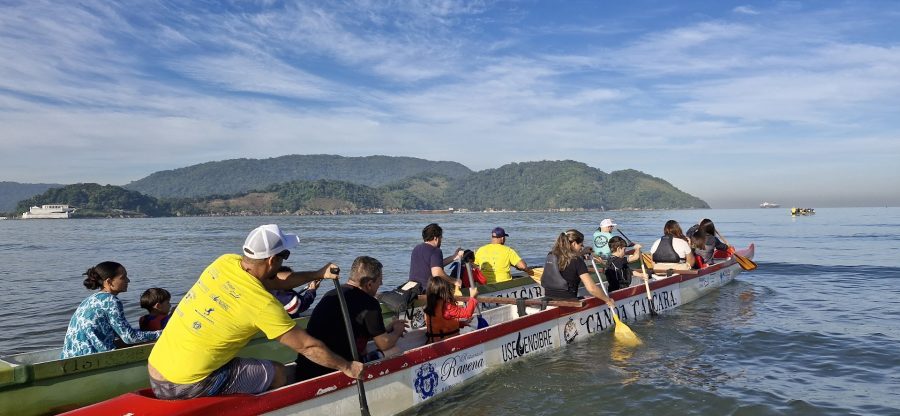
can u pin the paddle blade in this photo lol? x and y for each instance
(537, 274)
(482, 323)
(648, 260)
(744, 262)
(624, 335)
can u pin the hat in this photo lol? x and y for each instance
(267, 240)
(607, 222)
(499, 232)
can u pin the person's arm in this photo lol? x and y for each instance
(389, 339)
(290, 280)
(596, 291)
(720, 245)
(113, 308)
(453, 257)
(307, 298)
(316, 351)
(635, 255)
(453, 311)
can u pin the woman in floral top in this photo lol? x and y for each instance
(100, 317)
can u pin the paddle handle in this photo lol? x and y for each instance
(363, 403)
(472, 285)
(647, 283)
(603, 288)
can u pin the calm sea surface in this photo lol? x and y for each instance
(815, 330)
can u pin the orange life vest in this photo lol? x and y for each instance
(439, 328)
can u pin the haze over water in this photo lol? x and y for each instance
(812, 331)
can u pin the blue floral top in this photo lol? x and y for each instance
(95, 324)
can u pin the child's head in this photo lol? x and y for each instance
(468, 256)
(438, 289)
(698, 239)
(615, 244)
(156, 300)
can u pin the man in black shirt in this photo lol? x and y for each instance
(327, 322)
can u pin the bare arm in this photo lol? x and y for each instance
(636, 254)
(300, 341)
(596, 291)
(453, 257)
(388, 340)
(288, 280)
(691, 260)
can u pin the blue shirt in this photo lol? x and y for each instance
(421, 260)
(95, 324)
(601, 243)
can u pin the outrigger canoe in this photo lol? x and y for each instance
(39, 383)
(425, 371)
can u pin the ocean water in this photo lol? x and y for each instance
(814, 330)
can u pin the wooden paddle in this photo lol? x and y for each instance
(742, 261)
(647, 285)
(622, 333)
(482, 323)
(363, 403)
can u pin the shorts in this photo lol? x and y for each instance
(240, 375)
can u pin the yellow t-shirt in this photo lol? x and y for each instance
(214, 320)
(494, 260)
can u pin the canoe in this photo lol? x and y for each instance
(422, 372)
(38, 383)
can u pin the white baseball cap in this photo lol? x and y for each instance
(607, 223)
(267, 240)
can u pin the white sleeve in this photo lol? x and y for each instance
(655, 245)
(681, 247)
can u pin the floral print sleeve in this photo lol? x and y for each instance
(95, 324)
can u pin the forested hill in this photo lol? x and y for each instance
(566, 184)
(94, 200)
(234, 176)
(13, 192)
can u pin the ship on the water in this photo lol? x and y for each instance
(769, 205)
(53, 211)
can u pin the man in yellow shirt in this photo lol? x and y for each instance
(496, 258)
(229, 303)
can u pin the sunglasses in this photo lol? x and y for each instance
(284, 255)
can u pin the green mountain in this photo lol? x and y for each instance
(233, 176)
(13, 192)
(93, 200)
(567, 184)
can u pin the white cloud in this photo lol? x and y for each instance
(745, 10)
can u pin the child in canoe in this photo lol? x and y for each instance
(157, 302)
(443, 317)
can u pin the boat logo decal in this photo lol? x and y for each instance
(426, 381)
(441, 374)
(537, 341)
(570, 331)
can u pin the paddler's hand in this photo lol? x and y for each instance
(330, 271)
(399, 325)
(354, 370)
(458, 254)
(473, 292)
(637, 247)
(611, 303)
(313, 285)
(529, 271)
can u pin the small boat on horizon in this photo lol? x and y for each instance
(769, 205)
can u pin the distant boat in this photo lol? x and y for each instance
(49, 211)
(769, 205)
(802, 211)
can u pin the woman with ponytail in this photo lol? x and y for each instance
(100, 317)
(565, 271)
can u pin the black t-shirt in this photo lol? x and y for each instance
(618, 273)
(572, 275)
(327, 325)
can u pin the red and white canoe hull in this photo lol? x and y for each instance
(418, 375)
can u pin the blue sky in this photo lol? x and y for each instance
(735, 102)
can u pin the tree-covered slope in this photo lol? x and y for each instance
(567, 184)
(91, 199)
(13, 192)
(234, 176)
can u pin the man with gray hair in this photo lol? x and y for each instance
(229, 303)
(327, 323)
